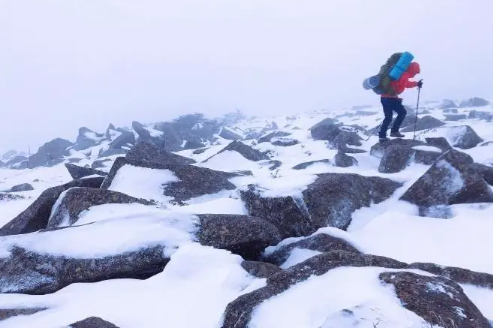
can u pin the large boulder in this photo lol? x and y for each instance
(193, 181)
(79, 172)
(463, 137)
(378, 150)
(29, 272)
(74, 201)
(424, 123)
(22, 187)
(245, 151)
(320, 242)
(482, 115)
(327, 129)
(485, 171)
(345, 138)
(438, 142)
(122, 142)
(229, 134)
(395, 159)
(36, 216)
(8, 155)
(343, 160)
(239, 312)
(87, 138)
(92, 322)
(448, 104)
(437, 300)
(474, 102)
(146, 154)
(287, 213)
(449, 181)
(197, 181)
(243, 235)
(332, 198)
(49, 154)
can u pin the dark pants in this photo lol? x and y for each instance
(391, 105)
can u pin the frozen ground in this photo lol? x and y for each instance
(199, 282)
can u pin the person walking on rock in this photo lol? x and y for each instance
(392, 103)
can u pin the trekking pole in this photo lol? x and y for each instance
(376, 130)
(416, 120)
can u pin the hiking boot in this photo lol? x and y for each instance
(397, 135)
(383, 139)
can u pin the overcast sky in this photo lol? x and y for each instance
(71, 63)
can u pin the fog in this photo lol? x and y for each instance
(71, 63)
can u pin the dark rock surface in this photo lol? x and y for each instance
(79, 172)
(260, 269)
(303, 166)
(49, 154)
(275, 134)
(246, 151)
(28, 272)
(343, 160)
(7, 313)
(464, 137)
(92, 322)
(436, 299)
(243, 235)
(424, 123)
(22, 187)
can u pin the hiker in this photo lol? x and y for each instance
(392, 103)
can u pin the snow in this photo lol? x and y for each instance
(428, 148)
(482, 298)
(193, 291)
(411, 238)
(229, 161)
(133, 228)
(143, 182)
(200, 281)
(324, 297)
(299, 255)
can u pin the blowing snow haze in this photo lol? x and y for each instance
(66, 64)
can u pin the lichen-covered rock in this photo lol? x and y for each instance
(485, 171)
(439, 142)
(36, 216)
(243, 235)
(437, 300)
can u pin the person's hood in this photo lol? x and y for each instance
(414, 69)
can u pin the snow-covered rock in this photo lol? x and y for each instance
(343, 160)
(485, 171)
(474, 102)
(420, 294)
(240, 234)
(449, 181)
(146, 154)
(424, 123)
(303, 166)
(36, 216)
(87, 138)
(76, 200)
(21, 187)
(275, 134)
(463, 137)
(244, 150)
(328, 129)
(483, 115)
(79, 172)
(50, 154)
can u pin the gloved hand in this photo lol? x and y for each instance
(420, 84)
